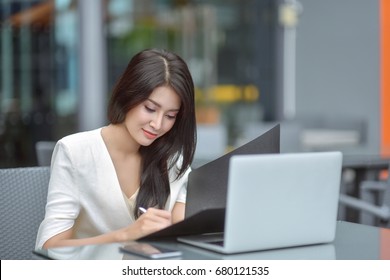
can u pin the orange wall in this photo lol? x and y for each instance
(385, 244)
(385, 76)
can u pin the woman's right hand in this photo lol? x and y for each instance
(151, 221)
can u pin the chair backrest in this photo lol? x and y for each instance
(44, 150)
(23, 195)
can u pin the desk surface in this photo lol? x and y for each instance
(352, 242)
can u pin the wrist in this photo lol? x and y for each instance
(125, 234)
(120, 236)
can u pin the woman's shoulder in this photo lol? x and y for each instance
(81, 139)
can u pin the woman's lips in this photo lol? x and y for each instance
(149, 134)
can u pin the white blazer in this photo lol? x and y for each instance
(84, 190)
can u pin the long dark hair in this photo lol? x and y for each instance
(146, 71)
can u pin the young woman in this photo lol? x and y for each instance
(103, 180)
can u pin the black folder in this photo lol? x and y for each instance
(207, 190)
(207, 185)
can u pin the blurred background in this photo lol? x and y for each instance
(314, 67)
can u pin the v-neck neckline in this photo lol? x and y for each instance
(112, 166)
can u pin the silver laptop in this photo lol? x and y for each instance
(277, 201)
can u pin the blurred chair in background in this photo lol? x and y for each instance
(44, 150)
(23, 194)
(373, 203)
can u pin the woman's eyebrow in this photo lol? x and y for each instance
(159, 105)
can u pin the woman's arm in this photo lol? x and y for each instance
(149, 222)
(178, 212)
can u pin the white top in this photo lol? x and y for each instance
(84, 191)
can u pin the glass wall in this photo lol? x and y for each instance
(229, 46)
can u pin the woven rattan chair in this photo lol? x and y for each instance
(23, 194)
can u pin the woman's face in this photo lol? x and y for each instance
(154, 117)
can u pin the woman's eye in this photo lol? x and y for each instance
(171, 117)
(149, 109)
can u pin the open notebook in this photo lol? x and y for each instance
(277, 201)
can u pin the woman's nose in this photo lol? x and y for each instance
(156, 123)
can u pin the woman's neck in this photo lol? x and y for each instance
(118, 138)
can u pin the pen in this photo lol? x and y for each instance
(143, 210)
